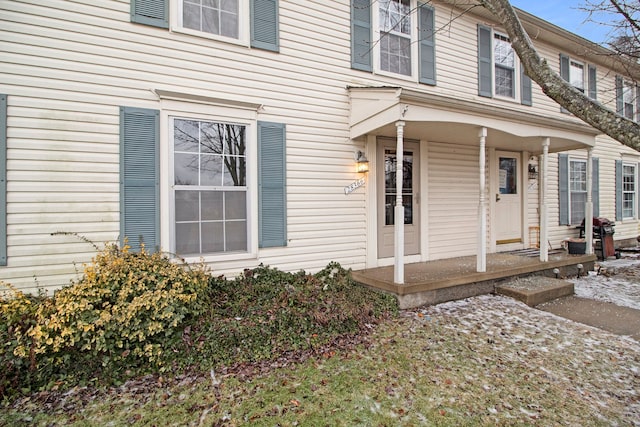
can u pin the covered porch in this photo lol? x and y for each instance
(450, 185)
(433, 282)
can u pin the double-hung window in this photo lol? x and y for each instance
(576, 75)
(500, 74)
(628, 190)
(580, 75)
(505, 66)
(577, 190)
(627, 99)
(210, 186)
(218, 17)
(395, 36)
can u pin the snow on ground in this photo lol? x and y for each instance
(615, 280)
(592, 365)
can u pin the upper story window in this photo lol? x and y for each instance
(219, 17)
(395, 36)
(580, 75)
(627, 101)
(505, 66)
(576, 75)
(499, 71)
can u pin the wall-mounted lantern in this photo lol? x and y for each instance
(362, 164)
(533, 172)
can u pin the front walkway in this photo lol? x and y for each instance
(433, 282)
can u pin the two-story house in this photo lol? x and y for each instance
(228, 131)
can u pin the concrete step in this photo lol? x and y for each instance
(534, 290)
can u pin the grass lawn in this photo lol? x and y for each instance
(484, 361)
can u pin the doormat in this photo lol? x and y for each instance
(533, 253)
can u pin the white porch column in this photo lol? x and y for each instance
(544, 220)
(588, 209)
(398, 271)
(481, 255)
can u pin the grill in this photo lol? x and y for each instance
(603, 231)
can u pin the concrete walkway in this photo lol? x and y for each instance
(604, 315)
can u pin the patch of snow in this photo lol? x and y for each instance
(621, 289)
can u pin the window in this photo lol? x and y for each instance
(395, 36)
(505, 66)
(499, 71)
(628, 100)
(577, 190)
(210, 187)
(219, 17)
(576, 75)
(581, 76)
(572, 188)
(628, 190)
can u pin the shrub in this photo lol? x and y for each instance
(124, 313)
(266, 312)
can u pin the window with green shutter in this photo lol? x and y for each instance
(139, 178)
(400, 49)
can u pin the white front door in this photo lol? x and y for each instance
(386, 184)
(508, 198)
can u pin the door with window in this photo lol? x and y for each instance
(386, 184)
(508, 198)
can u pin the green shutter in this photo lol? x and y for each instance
(619, 100)
(150, 12)
(592, 77)
(485, 67)
(265, 25)
(564, 73)
(563, 186)
(526, 96)
(595, 186)
(139, 177)
(272, 189)
(3, 179)
(618, 190)
(361, 35)
(427, 44)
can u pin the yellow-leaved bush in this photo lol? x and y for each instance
(125, 311)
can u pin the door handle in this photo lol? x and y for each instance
(497, 197)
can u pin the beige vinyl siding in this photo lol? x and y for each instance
(453, 200)
(68, 66)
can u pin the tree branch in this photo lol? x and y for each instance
(591, 112)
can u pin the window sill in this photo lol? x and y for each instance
(229, 256)
(203, 35)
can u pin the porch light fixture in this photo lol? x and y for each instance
(533, 172)
(362, 164)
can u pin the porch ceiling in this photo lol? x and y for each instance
(375, 111)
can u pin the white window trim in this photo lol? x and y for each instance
(635, 191)
(516, 78)
(244, 30)
(375, 53)
(577, 160)
(171, 109)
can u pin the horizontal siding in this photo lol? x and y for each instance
(69, 65)
(453, 200)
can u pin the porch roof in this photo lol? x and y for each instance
(375, 110)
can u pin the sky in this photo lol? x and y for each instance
(565, 14)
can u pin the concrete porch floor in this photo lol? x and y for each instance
(434, 282)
